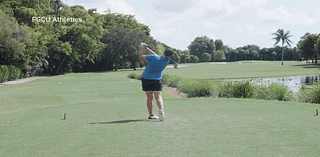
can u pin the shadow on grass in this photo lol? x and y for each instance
(131, 69)
(308, 65)
(123, 121)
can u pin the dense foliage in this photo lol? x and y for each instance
(9, 72)
(49, 37)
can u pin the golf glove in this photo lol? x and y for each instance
(141, 45)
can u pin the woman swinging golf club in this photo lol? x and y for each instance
(151, 78)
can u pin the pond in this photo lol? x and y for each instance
(293, 82)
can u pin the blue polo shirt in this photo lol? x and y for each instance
(155, 66)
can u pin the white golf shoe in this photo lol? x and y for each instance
(153, 117)
(161, 115)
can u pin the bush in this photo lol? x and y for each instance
(200, 88)
(226, 90)
(196, 88)
(4, 73)
(305, 95)
(132, 75)
(243, 89)
(171, 81)
(9, 72)
(315, 90)
(273, 92)
(135, 76)
(191, 87)
(239, 89)
(14, 72)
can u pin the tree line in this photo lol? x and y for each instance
(81, 40)
(308, 48)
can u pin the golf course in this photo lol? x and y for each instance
(105, 114)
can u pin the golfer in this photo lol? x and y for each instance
(151, 78)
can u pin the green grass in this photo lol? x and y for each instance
(106, 116)
(248, 69)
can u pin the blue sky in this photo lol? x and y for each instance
(236, 22)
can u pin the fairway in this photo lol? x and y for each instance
(106, 115)
(244, 69)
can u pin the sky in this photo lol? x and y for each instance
(236, 22)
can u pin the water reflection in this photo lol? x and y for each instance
(293, 82)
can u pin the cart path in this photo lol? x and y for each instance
(19, 81)
(175, 92)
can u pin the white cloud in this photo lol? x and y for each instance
(251, 3)
(301, 19)
(174, 6)
(116, 6)
(281, 15)
(277, 15)
(211, 8)
(211, 25)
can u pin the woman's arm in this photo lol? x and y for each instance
(141, 56)
(145, 46)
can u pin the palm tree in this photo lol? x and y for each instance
(284, 37)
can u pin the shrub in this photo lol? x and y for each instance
(315, 90)
(305, 95)
(135, 76)
(226, 90)
(273, 92)
(132, 75)
(139, 77)
(12, 72)
(9, 72)
(239, 89)
(243, 89)
(196, 88)
(172, 81)
(200, 88)
(4, 73)
(280, 92)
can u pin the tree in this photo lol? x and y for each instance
(185, 52)
(15, 42)
(175, 57)
(194, 59)
(263, 53)
(274, 53)
(308, 48)
(160, 47)
(236, 52)
(219, 56)
(185, 58)
(121, 45)
(227, 52)
(202, 45)
(253, 50)
(219, 44)
(206, 57)
(280, 35)
(317, 46)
